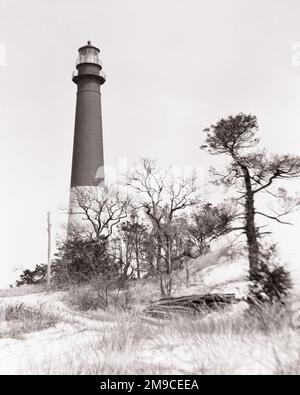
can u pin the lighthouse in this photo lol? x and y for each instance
(88, 158)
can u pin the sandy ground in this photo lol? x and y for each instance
(75, 328)
(75, 342)
(108, 343)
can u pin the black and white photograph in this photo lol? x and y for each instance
(150, 199)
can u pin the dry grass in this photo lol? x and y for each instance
(88, 298)
(19, 319)
(22, 291)
(232, 342)
(145, 291)
(82, 298)
(118, 341)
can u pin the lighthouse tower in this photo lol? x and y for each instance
(88, 159)
(88, 141)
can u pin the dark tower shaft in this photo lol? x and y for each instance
(88, 159)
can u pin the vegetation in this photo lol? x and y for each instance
(271, 282)
(33, 277)
(20, 319)
(163, 220)
(252, 173)
(260, 341)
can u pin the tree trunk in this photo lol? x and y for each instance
(169, 254)
(187, 271)
(138, 271)
(251, 232)
(161, 283)
(159, 257)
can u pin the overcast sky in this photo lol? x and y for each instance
(173, 67)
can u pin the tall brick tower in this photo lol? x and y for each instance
(88, 141)
(88, 159)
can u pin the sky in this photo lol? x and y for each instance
(173, 68)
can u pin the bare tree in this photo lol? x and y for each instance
(251, 173)
(163, 198)
(88, 255)
(97, 211)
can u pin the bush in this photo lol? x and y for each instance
(81, 261)
(83, 298)
(21, 319)
(32, 277)
(99, 294)
(271, 282)
(85, 259)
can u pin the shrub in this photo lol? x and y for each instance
(271, 282)
(21, 319)
(32, 277)
(83, 298)
(100, 293)
(85, 259)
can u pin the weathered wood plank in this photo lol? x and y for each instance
(192, 304)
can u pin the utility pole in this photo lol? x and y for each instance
(49, 250)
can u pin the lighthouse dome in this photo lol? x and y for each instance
(89, 54)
